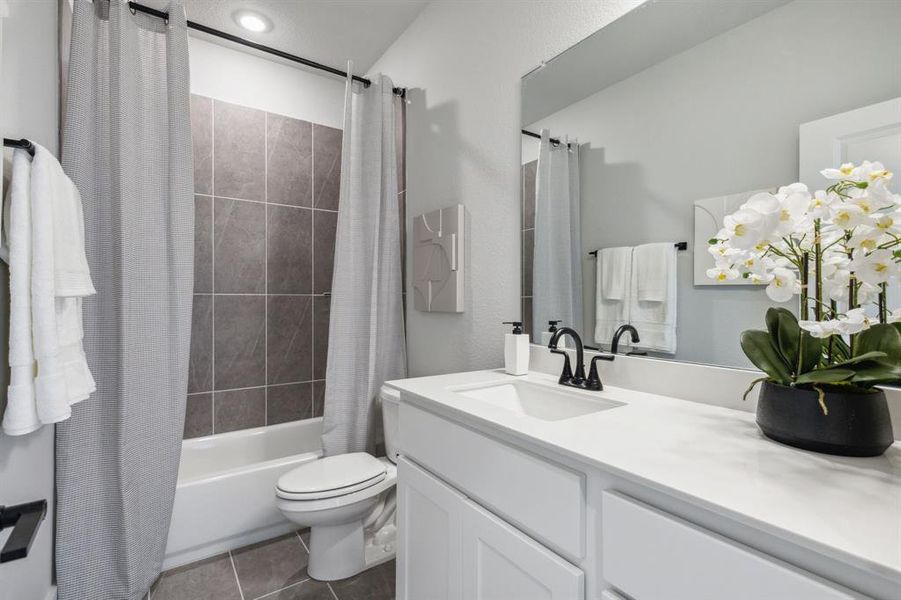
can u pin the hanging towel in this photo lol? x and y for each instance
(654, 267)
(614, 271)
(21, 415)
(59, 279)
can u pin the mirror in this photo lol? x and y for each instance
(666, 121)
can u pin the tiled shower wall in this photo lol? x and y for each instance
(266, 200)
(528, 239)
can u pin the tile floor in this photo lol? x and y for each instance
(271, 570)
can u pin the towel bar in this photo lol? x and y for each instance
(25, 520)
(679, 246)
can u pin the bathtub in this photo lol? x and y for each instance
(225, 496)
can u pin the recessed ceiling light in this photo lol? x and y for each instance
(252, 21)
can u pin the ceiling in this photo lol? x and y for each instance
(329, 32)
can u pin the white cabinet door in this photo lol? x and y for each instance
(430, 516)
(502, 563)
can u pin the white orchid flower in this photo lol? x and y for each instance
(867, 294)
(865, 238)
(783, 286)
(871, 203)
(821, 205)
(848, 216)
(820, 329)
(874, 173)
(889, 222)
(846, 171)
(874, 268)
(792, 211)
(723, 273)
(855, 321)
(759, 278)
(744, 228)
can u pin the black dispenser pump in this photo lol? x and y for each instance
(553, 325)
(517, 326)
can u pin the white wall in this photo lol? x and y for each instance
(28, 108)
(463, 61)
(226, 73)
(709, 122)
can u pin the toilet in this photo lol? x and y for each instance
(348, 502)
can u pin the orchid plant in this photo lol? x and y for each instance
(839, 249)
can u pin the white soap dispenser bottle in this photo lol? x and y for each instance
(516, 350)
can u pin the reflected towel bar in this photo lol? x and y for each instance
(679, 246)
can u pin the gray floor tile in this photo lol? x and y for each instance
(306, 590)
(270, 566)
(377, 583)
(211, 579)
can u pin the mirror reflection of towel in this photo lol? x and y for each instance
(652, 306)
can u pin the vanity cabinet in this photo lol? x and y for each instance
(450, 548)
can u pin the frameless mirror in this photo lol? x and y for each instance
(669, 119)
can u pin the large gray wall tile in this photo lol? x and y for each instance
(324, 226)
(318, 398)
(528, 194)
(271, 565)
(239, 230)
(526, 317)
(198, 415)
(290, 333)
(326, 166)
(321, 309)
(203, 244)
(289, 170)
(202, 135)
(289, 402)
(239, 409)
(528, 250)
(240, 346)
(200, 369)
(239, 151)
(290, 250)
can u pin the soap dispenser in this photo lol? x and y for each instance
(516, 350)
(547, 335)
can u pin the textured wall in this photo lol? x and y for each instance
(463, 62)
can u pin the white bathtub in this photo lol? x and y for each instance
(225, 497)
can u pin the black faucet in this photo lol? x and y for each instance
(633, 335)
(567, 377)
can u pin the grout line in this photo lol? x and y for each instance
(334, 595)
(258, 294)
(295, 584)
(312, 335)
(266, 266)
(251, 201)
(302, 543)
(213, 260)
(231, 558)
(256, 387)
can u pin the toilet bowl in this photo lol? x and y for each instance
(348, 503)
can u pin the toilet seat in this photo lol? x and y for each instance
(331, 477)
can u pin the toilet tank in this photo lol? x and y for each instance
(390, 399)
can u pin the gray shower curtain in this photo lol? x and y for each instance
(366, 328)
(127, 146)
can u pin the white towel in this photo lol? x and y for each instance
(614, 265)
(59, 279)
(655, 320)
(21, 415)
(614, 271)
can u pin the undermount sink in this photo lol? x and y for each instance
(537, 401)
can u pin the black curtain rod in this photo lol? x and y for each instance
(23, 144)
(678, 245)
(553, 141)
(135, 7)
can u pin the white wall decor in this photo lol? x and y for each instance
(709, 214)
(438, 260)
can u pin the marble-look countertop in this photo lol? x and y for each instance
(847, 508)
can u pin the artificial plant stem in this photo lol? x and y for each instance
(805, 277)
(883, 303)
(833, 306)
(818, 265)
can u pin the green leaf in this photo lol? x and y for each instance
(811, 352)
(840, 348)
(861, 358)
(831, 375)
(874, 372)
(758, 347)
(786, 335)
(880, 338)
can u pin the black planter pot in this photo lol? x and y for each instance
(858, 424)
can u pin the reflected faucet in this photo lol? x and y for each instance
(633, 335)
(567, 377)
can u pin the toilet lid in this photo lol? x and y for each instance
(331, 476)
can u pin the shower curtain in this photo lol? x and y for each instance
(127, 146)
(366, 332)
(557, 262)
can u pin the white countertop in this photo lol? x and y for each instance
(846, 508)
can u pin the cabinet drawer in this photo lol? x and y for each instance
(539, 497)
(650, 555)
